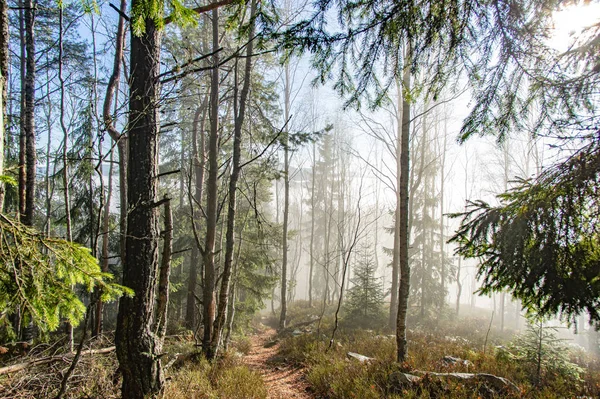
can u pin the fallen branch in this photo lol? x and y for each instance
(50, 359)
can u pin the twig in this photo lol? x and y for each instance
(488, 332)
(65, 380)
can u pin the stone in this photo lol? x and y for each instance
(400, 380)
(359, 357)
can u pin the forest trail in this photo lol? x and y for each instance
(282, 380)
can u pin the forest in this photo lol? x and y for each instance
(299, 199)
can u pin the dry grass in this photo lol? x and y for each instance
(191, 377)
(333, 376)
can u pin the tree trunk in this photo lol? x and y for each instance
(119, 138)
(199, 158)
(286, 198)
(396, 250)
(312, 228)
(236, 168)
(442, 230)
(404, 288)
(138, 346)
(212, 195)
(97, 329)
(22, 117)
(29, 124)
(4, 55)
(65, 148)
(165, 270)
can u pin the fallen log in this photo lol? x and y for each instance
(50, 359)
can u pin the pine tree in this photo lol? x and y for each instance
(364, 305)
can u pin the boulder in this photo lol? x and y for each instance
(359, 357)
(399, 380)
(452, 361)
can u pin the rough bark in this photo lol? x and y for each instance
(4, 55)
(22, 136)
(29, 124)
(208, 296)
(199, 159)
(404, 287)
(137, 345)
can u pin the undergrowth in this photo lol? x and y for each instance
(333, 375)
(189, 376)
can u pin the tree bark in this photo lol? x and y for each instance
(199, 159)
(396, 249)
(165, 270)
(22, 117)
(65, 148)
(404, 288)
(208, 296)
(137, 345)
(30, 151)
(116, 136)
(286, 199)
(233, 180)
(97, 329)
(4, 55)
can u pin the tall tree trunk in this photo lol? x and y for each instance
(286, 197)
(138, 347)
(165, 270)
(119, 138)
(312, 227)
(396, 249)
(199, 159)
(65, 148)
(4, 55)
(236, 168)
(426, 195)
(404, 288)
(48, 182)
(22, 113)
(442, 222)
(30, 149)
(97, 329)
(212, 195)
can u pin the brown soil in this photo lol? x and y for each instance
(283, 381)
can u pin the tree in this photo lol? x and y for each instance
(138, 345)
(540, 242)
(364, 306)
(512, 70)
(38, 275)
(236, 168)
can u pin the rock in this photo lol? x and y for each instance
(497, 383)
(486, 382)
(451, 360)
(271, 344)
(400, 380)
(359, 357)
(297, 332)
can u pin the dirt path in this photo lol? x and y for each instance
(282, 381)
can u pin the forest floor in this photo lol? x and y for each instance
(282, 380)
